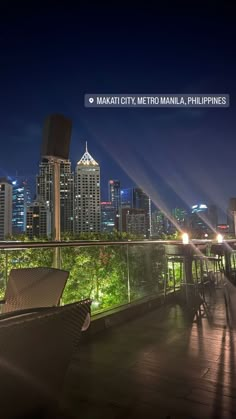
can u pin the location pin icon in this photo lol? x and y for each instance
(91, 100)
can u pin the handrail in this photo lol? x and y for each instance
(81, 243)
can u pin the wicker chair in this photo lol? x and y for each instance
(36, 346)
(33, 287)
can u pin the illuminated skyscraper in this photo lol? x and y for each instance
(203, 220)
(108, 216)
(5, 208)
(21, 197)
(87, 195)
(115, 199)
(38, 220)
(114, 193)
(45, 190)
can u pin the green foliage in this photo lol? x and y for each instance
(96, 272)
(110, 275)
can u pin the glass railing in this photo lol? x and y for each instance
(112, 274)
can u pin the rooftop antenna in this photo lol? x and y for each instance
(86, 146)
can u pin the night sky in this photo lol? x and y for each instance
(51, 57)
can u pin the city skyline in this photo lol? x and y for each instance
(178, 157)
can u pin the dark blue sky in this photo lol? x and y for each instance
(51, 57)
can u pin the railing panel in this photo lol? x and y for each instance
(147, 270)
(99, 273)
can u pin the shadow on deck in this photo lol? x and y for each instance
(166, 364)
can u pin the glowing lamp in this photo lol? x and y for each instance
(185, 238)
(219, 238)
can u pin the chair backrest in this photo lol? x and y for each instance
(34, 287)
(35, 352)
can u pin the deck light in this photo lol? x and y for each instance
(185, 238)
(219, 238)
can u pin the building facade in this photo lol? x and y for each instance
(45, 190)
(134, 221)
(5, 208)
(114, 197)
(38, 220)
(87, 201)
(136, 199)
(21, 197)
(203, 220)
(108, 216)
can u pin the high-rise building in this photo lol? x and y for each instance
(21, 197)
(87, 212)
(134, 221)
(160, 224)
(203, 220)
(5, 208)
(126, 195)
(45, 190)
(135, 198)
(181, 216)
(38, 220)
(108, 215)
(114, 193)
(115, 199)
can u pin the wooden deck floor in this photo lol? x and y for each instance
(166, 364)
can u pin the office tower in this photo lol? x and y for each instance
(203, 220)
(231, 216)
(108, 216)
(5, 208)
(142, 201)
(38, 220)
(21, 197)
(87, 195)
(45, 190)
(160, 224)
(115, 199)
(181, 216)
(135, 198)
(55, 180)
(126, 196)
(134, 221)
(114, 193)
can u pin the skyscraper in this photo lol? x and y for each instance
(38, 220)
(108, 216)
(134, 221)
(203, 220)
(45, 190)
(87, 200)
(114, 193)
(55, 180)
(5, 208)
(135, 198)
(20, 199)
(115, 199)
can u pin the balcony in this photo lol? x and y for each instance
(161, 341)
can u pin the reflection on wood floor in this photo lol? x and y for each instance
(170, 363)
